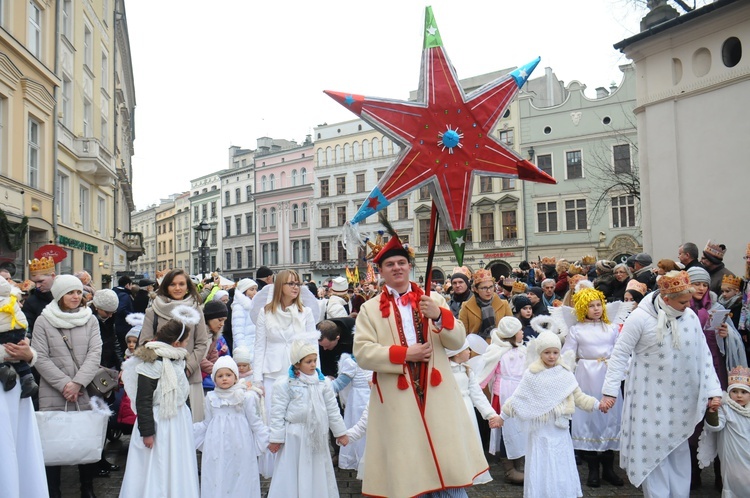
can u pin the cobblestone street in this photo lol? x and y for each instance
(350, 487)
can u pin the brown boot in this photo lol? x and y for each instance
(512, 476)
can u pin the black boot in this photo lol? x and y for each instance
(53, 481)
(718, 483)
(105, 465)
(608, 469)
(29, 387)
(7, 377)
(592, 459)
(87, 489)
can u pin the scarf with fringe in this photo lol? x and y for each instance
(316, 422)
(542, 393)
(66, 319)
(234, 396)
(168, 380)
(163, 305)
(667, 319)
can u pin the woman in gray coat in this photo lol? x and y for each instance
(62, 383)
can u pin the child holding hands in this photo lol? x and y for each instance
(231, 437)
(161, 456)
(303, 409)
(545, 401)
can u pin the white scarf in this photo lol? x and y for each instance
(667, 318)
(316, 422)
(234, 396)
(742, 410)
(542, 393)
(168, 380)
(66, 319)
(163, 305)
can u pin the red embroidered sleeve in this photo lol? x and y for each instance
(397, 354)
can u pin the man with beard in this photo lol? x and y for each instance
(460, 281)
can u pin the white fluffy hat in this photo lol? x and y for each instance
(450, 353)
(242, 354)
(299, 350)
(136, 323)
(508, 327)
(340, 284)
(225, 362)
(106, 300)
(64, 284)
(245, 284)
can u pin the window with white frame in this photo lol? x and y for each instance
(273, 218)
(305, 255)
(67, 19)
(250, 260)
(264, 218)
(238, 254)
(101, 214)
(249, 222)
(546, 214)
(35, 30)
(573, 164)
(295, 214)
(623, 211)
(34, 146)
(272, 181)
(238, 225)
(621, 156)
(303, 176)
(67, 101)
(105, 70)
(294, 178)
(84, 207)
(295, 252)
(304, 212)
(248, 193)
(228, 260)
(88, 46)
(62, 197)
(263, 183)
(274, 246)
(88, 118)
(506, 136)
(227, 227)
(575, 214)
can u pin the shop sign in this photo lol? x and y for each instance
(77, 244)
(57, 253)
(499, 255)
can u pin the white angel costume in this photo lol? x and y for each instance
(544, 401)
(356, 433)
(356, 403)
(303, 409)
(231, 437)
(170, 467)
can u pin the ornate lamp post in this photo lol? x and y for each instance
(203, 230)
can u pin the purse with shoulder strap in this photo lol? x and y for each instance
(105, 380)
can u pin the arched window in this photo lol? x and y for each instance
(365, 149)
(271, 181)
(356, 155)
(263, 185)
(295, 214)
(321, 157)
(303, 176)
(264, 218)
(294, 178)
(376, 148)
(386, 146)
(329, 155)
(396, 148)
(295, 252)
(339, 158)
(273, 217)
(304, 212)
(347, 152)
(282, 179)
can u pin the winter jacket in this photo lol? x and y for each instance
(33, 306)
(243, 328)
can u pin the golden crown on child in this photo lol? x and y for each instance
(740, 375)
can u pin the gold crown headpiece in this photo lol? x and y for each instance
(483, 275)
(588, 260)
(552, 261)
(731, 281)
(574, 269)
(673, 285)
(739, 375)
(43, 266)
(519, 287)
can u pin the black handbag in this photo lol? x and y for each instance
(104, 382)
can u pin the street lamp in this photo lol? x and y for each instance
(203, 230)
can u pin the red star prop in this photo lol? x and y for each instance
(445, 135)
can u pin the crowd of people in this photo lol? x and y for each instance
(557, 363)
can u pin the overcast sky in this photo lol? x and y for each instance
(213, 74)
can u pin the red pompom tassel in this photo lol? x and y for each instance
(403, 384)
(435, 377)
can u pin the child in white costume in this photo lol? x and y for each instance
(545, 400)
(357, 398)
(161, 455)
(472, 395)
(727, 433)
(231, 437)
(356, 433)
(592, 340)
(302, 411)
(505, 362)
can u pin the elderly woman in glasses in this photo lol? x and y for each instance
(622, 275)
(281, 322)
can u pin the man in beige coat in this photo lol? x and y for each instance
(420, 439)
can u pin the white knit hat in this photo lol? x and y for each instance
(547, 340)
(106, 300)
(225, 362)
(242, 354)
(508, 327)
(64, 284)
(340, 284)
(7, 318)
(245, 284)
(299, 350)
(450, 353)
(220, 294)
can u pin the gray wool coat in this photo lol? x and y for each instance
(55, 365)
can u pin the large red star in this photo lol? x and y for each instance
(445, 135)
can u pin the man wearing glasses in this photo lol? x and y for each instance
(484, 311)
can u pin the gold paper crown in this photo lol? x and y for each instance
(43, 266)
(508, 282)
(637, 286)
(575, 270)
(588, 260)
(673, 285)
(551, 261)
(519, 287)
(482, 276)
(731, 281)
(574, 279)
(462, 269)
(739, 375)
(714, 250)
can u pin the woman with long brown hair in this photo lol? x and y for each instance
(177, 289)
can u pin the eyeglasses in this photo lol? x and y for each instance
(620, 272)
(292, 284)
(486, 288)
